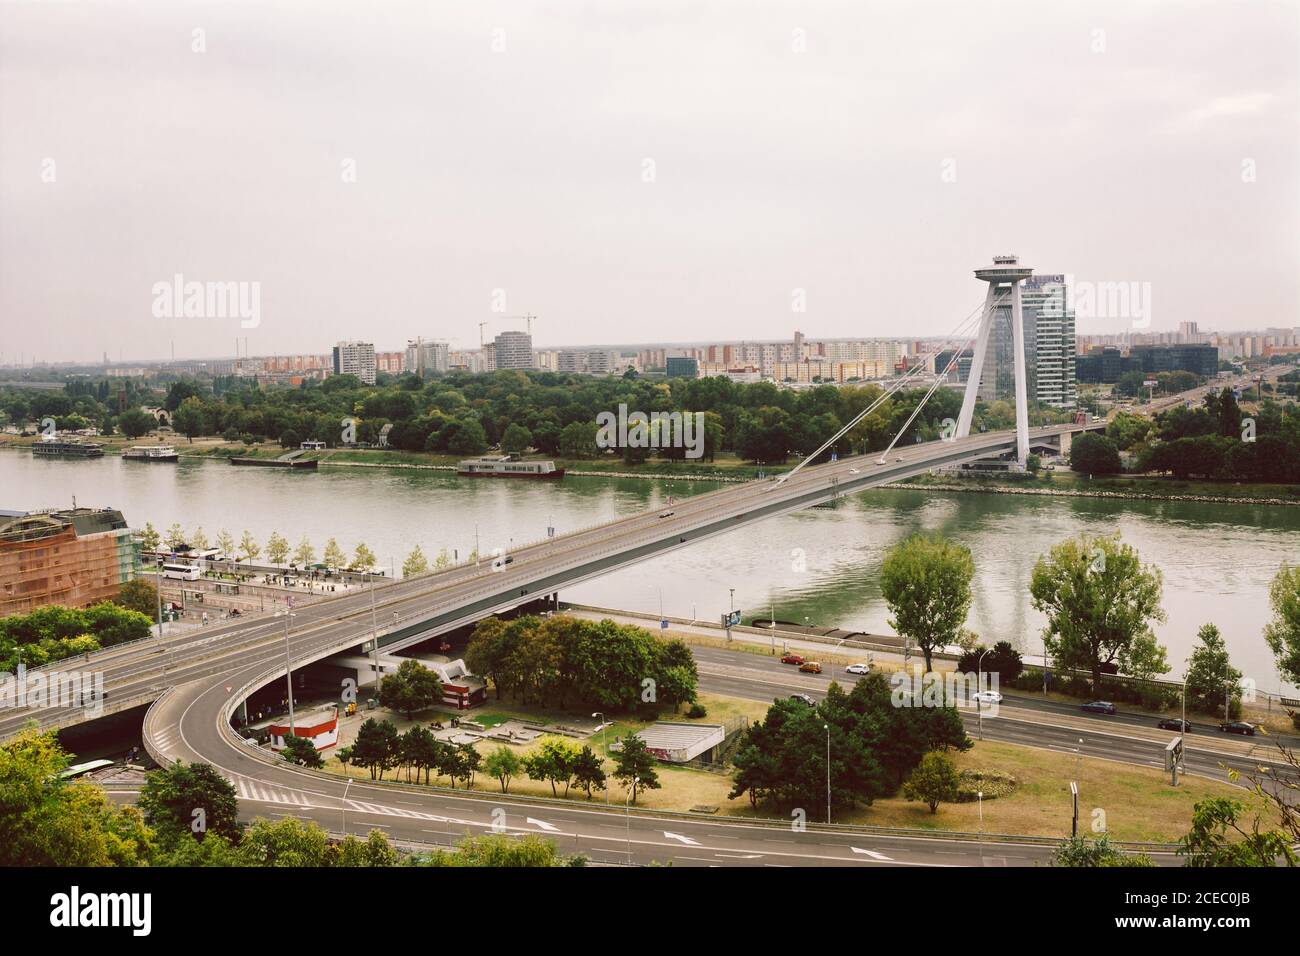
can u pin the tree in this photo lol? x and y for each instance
(499, 851)
(363, 558)
(415, 563)
(304, 554)
(1145, 659)
(190, 419)
(588, 772)
(1079, 851)
(1002, 659)
(376, 747)
(226, 542)
(553, 761)
(1092, 454)
(277, 548)
(199, 539)
(149, 537)
(190, 799)
(933, 781)
(1217, 838)
(1098, 597)
(411, 689)
(249, 546)
(634, 766)
(175, 536)
(1211, 678)
(301, 751)
(334, 557)
(1282, 633)
(516, 439)
(469, 439)
(48, 821)
(578, 440)
(504, 764)
(139, 595)
(926, 583)
(135, 422)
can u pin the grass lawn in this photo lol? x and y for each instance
(1138, 803)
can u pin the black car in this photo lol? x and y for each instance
(1238, 727)
(1098, 707)
(1173, 723)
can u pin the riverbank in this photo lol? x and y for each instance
(1139, 488)
(727, 469)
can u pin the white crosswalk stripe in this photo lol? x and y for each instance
(258, 792)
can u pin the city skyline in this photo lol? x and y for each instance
(585, 169)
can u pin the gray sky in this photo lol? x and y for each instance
(1115, 156)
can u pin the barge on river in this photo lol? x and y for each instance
(507, 466)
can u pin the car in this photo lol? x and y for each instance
(792, 659)
(858, 669)
(1238, 727)
(987, 697)
(810, 667)
(804, 699)
(1098, 707)
(1173, 723)
(666, 514)
(853, 471)
(899, 458)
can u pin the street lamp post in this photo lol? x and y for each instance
(288, 672)
(158, 577)
(980, 794)
(979, 687)
(627, 816)
(771, 625)
(827, 728)
(345, 807)
(604, 733)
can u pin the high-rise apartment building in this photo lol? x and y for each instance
(425, 356)
(1049, 346)
(1049, 326)
(513, 350)
(355, 358)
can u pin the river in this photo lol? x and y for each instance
(820, 565)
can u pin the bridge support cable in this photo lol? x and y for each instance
(925, 398)
(905, 379)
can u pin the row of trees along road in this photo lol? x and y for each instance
(1100, 601)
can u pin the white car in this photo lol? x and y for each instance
(858, 669)
(987, 697)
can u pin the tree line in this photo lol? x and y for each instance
(461, 413)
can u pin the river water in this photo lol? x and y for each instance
(820, 565)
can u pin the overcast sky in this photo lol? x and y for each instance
(634, 171)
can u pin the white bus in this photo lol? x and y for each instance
(183, 572)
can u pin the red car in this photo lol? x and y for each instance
(792, 659)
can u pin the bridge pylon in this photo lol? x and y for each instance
(1004, 278)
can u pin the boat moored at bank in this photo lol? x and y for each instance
(508, 466)
(165, 453)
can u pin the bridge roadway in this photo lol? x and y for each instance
(415, 609)
(203, 677)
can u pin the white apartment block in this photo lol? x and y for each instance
(355, 358)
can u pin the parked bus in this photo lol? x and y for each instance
(76, 770)
(183, 572)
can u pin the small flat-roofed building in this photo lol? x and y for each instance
(679, 742)
(320, 726)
